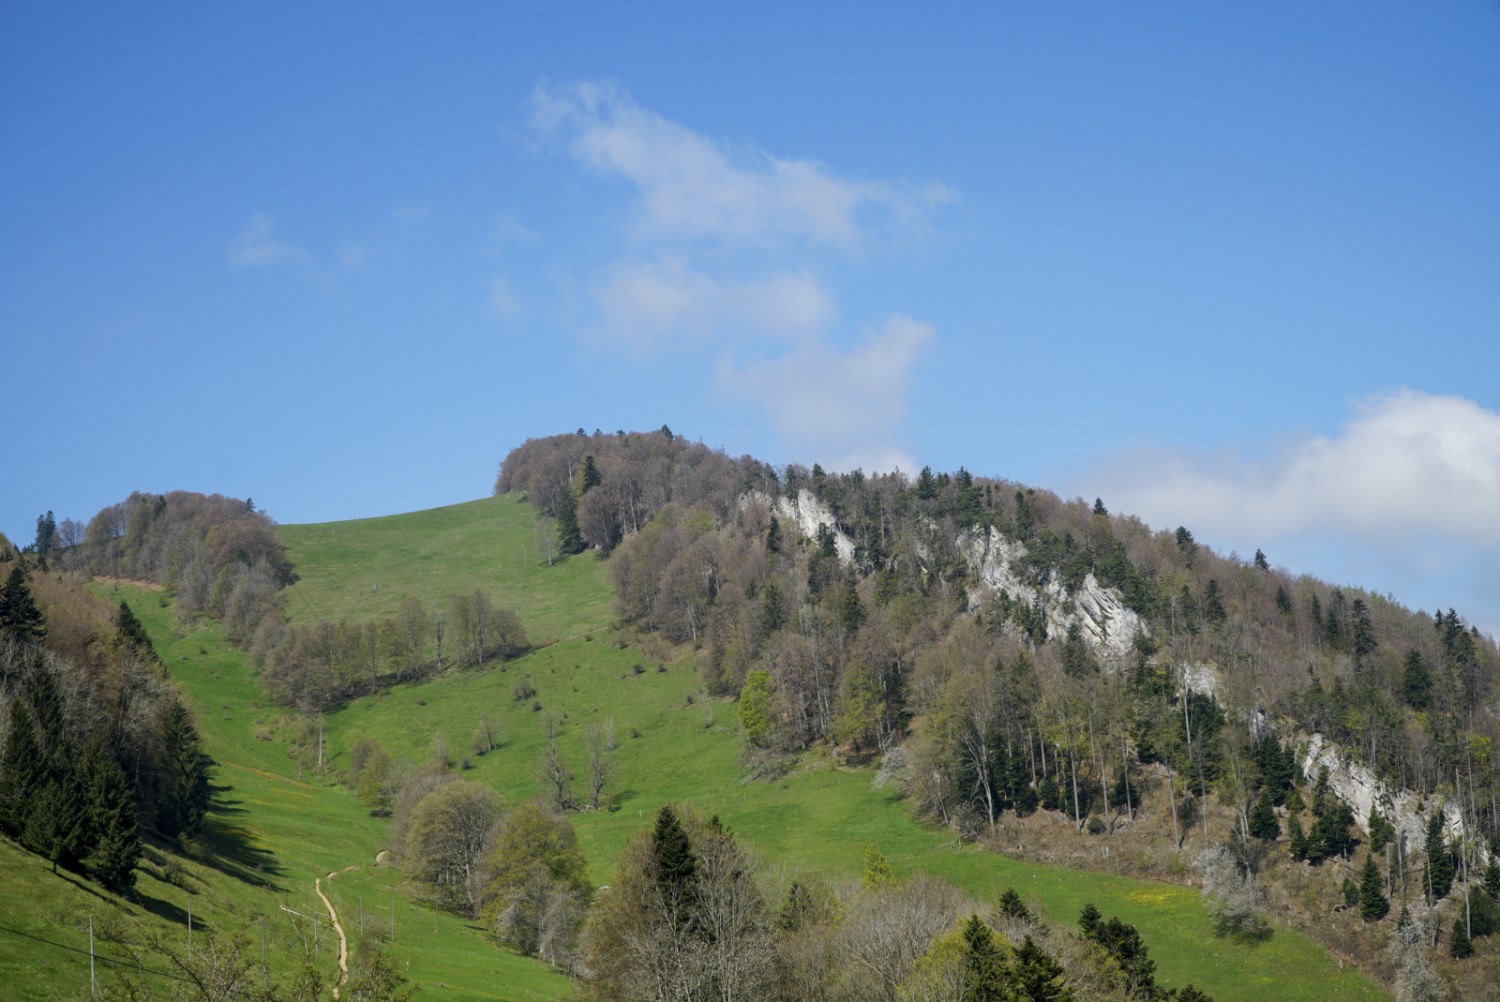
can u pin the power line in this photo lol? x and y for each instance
(131, 964)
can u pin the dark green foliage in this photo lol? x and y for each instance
(1296, 836)
(773, 536)
(1036, 977)
(1284, 601)
(983, 964)
(1492, 878)
(20, 619)
(1190, 994)
(23, 770)
(46, 537)
(1213, 603)
(772, 609)
(1460, 946)
(591, 477)
(185, 793)
(1439, 859)
(1380, 828)
(1261, 564)
(1416, 681)
(676, 866)
(1263, 823)
(1011, 906)
(114, 842)
(1350, 893)
(1484, 915)
(1277, 766)
(1099, 508)
(1364, 633)
(1186, 545)
(569, 536)
(1123, 942)
(926, 486)
(1373, 904)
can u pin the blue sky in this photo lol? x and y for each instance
(1234, 268)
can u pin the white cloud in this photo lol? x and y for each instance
(692, 187)
(645, 303)
(503, 301)
(1406, 464)
(256, 245)
(838, 408)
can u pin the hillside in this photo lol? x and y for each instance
(951, 673)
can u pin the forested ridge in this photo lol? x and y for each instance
(875, 629)
(1032, 674)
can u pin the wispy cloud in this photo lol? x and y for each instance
(726, 246)
(503, 301)
(841, 408)
(692, 187)
(257, 246)
(646, 302)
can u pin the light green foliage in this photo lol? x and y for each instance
(755, 708)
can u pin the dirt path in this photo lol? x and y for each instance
(337, 927)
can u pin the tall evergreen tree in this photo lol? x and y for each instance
(1263, 823)
(1416, 681)
(569, 536)
(23, 770)
(20, 619)
(984, 966)
(1460, 946)
(676, 866)
(184, 795)
(1439, 859)
(1036, 976)
(114, 840)
(1373, 904)
(591, 476)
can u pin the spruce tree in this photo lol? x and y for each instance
(1416, 681)
(23, 770)
(676, 867)
(1036, 976)
(1263, 823)
(984, 967)
(1439, 859)
(184, 794)
(1492, 878)
(114, 840)
(1460, 946)
(20, 619)
(1373, 904)
(569, 536)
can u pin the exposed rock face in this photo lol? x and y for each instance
(1100, 613)
(994, 561)
(1358, 787)
(807, 513)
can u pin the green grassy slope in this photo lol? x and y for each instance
(362, 569)
(818, 818)
(274, 831)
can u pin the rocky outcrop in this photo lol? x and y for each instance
(994, 564)
(1099, 613)
(807, 513)
(1359, 787)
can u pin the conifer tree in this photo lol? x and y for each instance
(20, 619)
(984, 967)
(114, 841)
(1373, 904)
(1460, 946)
(185, 794)
(877, 869)
(1439, 860)
(569, 536)
(1263, 823)
(676, 866)
(1036, 976)
(23, 770)
(773, 536)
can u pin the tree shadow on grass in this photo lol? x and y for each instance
(231, 848)
(166, 910)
